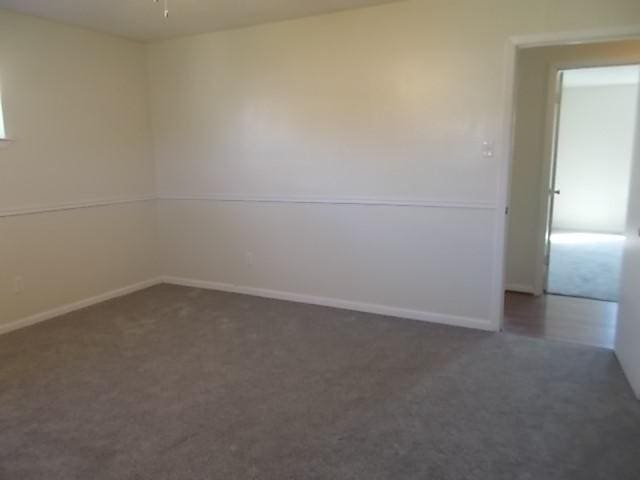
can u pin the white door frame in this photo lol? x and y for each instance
(506, 137)
(549, 167)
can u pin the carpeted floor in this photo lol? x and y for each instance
(180, 383)
(586, 265)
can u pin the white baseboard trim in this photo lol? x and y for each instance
(64, 309)
(520, 288)
(458, 321)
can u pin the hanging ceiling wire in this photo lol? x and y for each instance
(166, 7)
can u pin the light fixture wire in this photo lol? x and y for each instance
(166, 7)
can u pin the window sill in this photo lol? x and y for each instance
(4, 142)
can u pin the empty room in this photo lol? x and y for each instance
(320, 239)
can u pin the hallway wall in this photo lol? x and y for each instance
(595, 148)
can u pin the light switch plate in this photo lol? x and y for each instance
(487, 149)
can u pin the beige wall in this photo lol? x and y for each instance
(389, 104)
(530, 161)
(595, 149)
(350, 255)
(334, 157)
(75, 102)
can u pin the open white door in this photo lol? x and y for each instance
(628, 332)
(551, 189)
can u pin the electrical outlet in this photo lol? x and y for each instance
(18, 285)
(248, 259)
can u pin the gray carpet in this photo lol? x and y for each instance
(586, 265)
(181, 383)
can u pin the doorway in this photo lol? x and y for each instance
(589, 185)
(575, 117)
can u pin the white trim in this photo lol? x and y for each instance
(546, 170)
(505, 153)
(459, 321)
(37, 209)
(629, 32)
(366, 201)
(520, 288)
(71, 307)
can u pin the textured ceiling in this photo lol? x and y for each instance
(143, 19)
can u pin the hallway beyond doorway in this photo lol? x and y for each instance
(585, 265)
(577, 320)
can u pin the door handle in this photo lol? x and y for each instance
(557, 192)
